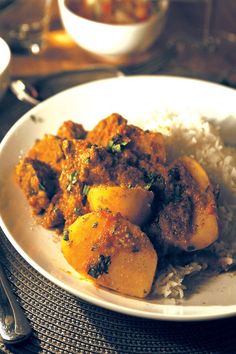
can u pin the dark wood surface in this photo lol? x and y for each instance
(185, 18)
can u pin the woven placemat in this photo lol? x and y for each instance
(62, 323)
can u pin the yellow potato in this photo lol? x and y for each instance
(189, 220)
(132, 203)
(112, 252)
(205, 221)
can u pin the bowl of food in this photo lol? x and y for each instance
(5, 58)
(114, 28)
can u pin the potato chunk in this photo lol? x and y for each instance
(205, 218)
(189, 220)
(112, 252)
(132, 203)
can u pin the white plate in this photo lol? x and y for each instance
(136, 98)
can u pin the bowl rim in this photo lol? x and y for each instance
(150, 19)
(5, 55)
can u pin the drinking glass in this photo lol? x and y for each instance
(204, 35)
(24, 24)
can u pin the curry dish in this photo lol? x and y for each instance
(119, 206)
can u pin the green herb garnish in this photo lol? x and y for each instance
(85, 190)
(116, 144)
(66, 235)
(77, 211)
(135, 249)
(87, 159)
(72, 178)
(100, 267)
(151, 179)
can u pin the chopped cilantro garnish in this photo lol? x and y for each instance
(151, 179)
(66, 235)
(148, 186)
(114, 147)
(79, 135)
(135, 249)
(77, 211)
(85, 190)
(100, 267)
(69, 188)
(72, 178)
(116, 144)
(87, 159)
(95, 225)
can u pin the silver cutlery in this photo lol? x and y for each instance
(14, 326)
(28, 93)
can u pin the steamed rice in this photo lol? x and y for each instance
(201, 139)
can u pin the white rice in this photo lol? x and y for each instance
(193, 135)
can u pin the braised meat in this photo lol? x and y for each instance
(39, 183)
(71, 130)
(48, 150)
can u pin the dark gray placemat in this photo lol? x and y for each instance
(63, 323)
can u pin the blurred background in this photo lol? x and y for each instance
(185, 22)
(56, 39)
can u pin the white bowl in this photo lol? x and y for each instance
(5, 57)
(113, 40)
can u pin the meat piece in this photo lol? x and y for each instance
(176, 220)
(53, 216)
(38, 182)
(106, 129)
(71, 130)
(113, 153)
(139, 147)
(48, 150)
(84, 165)
(188, 218)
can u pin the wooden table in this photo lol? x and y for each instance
(61, 323)
(62, 54)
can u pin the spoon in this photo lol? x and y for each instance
(14, 326)
(24, 92)
(60, 81)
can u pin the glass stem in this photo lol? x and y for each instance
(207, 21)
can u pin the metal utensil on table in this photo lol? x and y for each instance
(28, 93)
(24, 92)
(14, 326)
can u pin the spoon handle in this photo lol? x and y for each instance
(14, 326)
